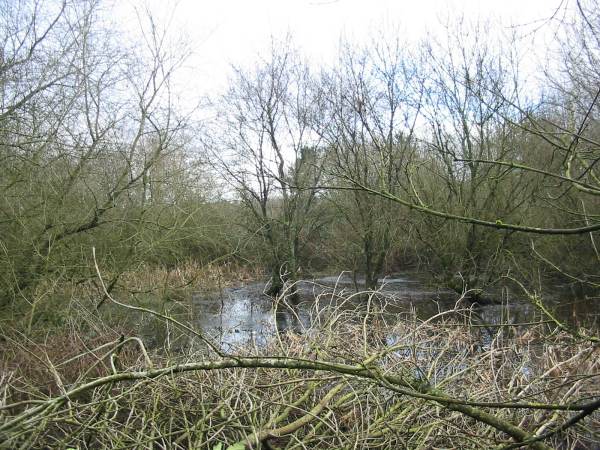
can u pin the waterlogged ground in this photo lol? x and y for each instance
(243, 315)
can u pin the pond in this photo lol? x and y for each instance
(242, 315)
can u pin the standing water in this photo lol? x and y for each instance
(238, 316)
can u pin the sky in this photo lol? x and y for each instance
(225, 32)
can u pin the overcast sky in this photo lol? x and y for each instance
(225, 32)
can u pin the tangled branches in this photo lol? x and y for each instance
(342, 383)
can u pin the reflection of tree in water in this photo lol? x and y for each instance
(287, 317)
(243, 315)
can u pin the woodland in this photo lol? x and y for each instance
(448, 157)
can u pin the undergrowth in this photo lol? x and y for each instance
(349, 380)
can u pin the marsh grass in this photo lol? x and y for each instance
(296, 408)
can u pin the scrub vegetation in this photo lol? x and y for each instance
(441, 157)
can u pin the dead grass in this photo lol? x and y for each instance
(293, 408)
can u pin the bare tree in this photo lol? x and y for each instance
(373, 102)
(270, 155)
(84, 120)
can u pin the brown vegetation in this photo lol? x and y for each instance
(439, 383)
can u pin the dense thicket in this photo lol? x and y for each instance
(439, 155)
(93, 153)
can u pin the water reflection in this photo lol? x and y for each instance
(243, 315)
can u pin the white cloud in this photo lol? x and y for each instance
(224, 32)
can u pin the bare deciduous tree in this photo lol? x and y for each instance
(271, 155)
(84, 121)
